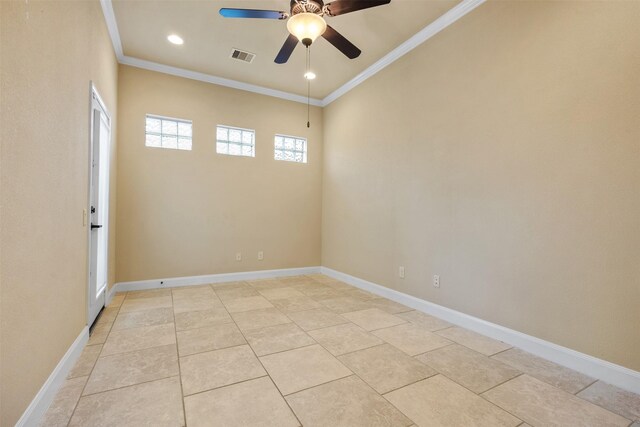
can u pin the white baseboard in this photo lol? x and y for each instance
(39, 405)
(211, 278)
(109, 294)
(608, 372)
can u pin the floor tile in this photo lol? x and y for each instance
(321, 278)
(373, 318)
(469, 368)
(341, 339)
(145, 304)
(139, 338)
(438, 401)
(202, 319)
(156, 403)
(238, 305)
(209, 338)
(61, 409)
(386, 368)
(201, 291)
(205, 371)
(411, 339)
(117, 300)
(85, 362)
(345, 304)
(474, 341)
(539, 403)
(228, 285)
(233, 292)
(614, 399)
(251, 403)
(256, 319)
(318, 291)
(389, 306)
(549, 372)
(291, 305)
(98, 334)
(280, 293)
(277, 338)
(345, 402)
(305, 367)
(125, 369)
(267, 284)
(138, 319)
(107, 315)
(149, 293)
(195, 303)
(426, 321)
(359, 293)
(316, 319)
(296, 280)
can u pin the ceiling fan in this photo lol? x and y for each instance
(306, 23)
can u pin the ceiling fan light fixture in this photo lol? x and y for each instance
(175, 39)
(306, 27)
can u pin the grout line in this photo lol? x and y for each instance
(226, 385)
(267, 372)
(184, 410)
(582, 389)
(94, 363)
(130, 385)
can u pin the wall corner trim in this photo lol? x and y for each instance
(211, 278)
(608, 372)
(41, 402)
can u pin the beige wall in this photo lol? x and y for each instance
(184, 213)
(50, 51)
(503, 155)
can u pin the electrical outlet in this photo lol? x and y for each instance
(436, 281)
(401, 272)
(239, 256)
(260, 256)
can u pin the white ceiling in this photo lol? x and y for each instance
(143, 26)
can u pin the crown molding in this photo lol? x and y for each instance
(451, 16)
(112, 27)
(207, 78)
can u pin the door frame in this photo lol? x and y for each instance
(94, 95)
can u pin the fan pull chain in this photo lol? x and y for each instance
(308, 87)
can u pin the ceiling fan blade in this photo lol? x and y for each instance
(341, 43)
(287, 49)
(340, 7)
(253, 13)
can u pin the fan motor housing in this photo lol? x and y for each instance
(310, 6)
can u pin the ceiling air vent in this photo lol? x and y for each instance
(242, 55)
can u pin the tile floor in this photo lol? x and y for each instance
(313, 351)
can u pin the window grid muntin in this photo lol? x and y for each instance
(187, 137)
(292, 151)
(240, 144)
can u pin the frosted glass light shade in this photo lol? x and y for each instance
(306, 27)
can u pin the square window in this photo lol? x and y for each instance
(235, 141)
(164, 132)
(290, 149)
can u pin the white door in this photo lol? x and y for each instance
(99, 205)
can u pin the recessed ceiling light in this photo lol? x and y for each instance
(309, 75)
(175, 39)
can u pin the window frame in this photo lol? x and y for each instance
(161, 134)
(241, 144)
(305, 152)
